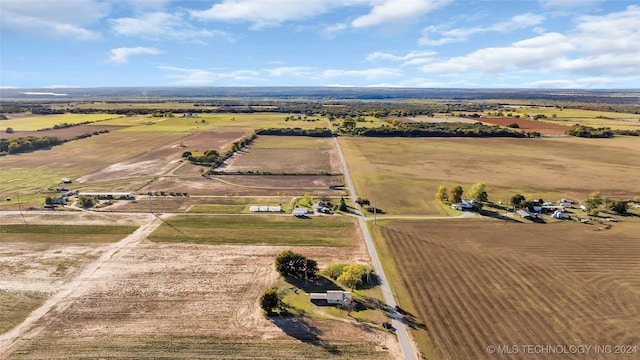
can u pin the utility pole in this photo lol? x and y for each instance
(150, 207)
(375, 210)
(20, 209)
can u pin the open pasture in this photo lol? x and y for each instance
(281, 230)
(477, 283)
(48, 121)
(279, 155)
(548, 168)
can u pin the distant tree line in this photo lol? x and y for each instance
(33, 143)
(27, 144)
(317, 132)
(589, 132)
(424, 129)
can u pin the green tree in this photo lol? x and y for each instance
(455, 194)
(353, 275)
(593, 202)
(517, 199)
(441, 194)
(343, 205)
(187, 154)
(477, 192)
(9, 130)
(619, 206)
(86, 201)
(270, 300)
(290, 264)
(363, 202)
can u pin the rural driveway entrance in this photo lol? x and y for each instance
(401, 330)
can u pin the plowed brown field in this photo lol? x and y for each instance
(481, 283)
(529, 125)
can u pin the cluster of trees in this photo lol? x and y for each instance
(350, 275)
(595, 200)
(27, 144)
(297, 266)
(214, 158)
(66, 125)
(293, 265)
(476, 192)
(317, 132)
(589, 132)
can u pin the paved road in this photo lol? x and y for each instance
(401, 329)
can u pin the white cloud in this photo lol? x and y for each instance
(263, 13)
(53, 18)
(378, 55)
(186, 76)
(161, 25)
(330, 31)
(369, 74)
(612, 33)
(292, 71)
(567, 4)
(540, 52)
(447, 36)
(121, 55)
(396, 11)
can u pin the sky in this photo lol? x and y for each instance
(573, 44)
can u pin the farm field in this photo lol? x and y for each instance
(286, 155)
(545, 128)
(334, 231)
(182, 299)
(548, 168)
(480, 283)
(66, 133)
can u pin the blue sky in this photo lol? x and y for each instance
(589, 44)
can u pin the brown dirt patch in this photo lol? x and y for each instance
(149, 291)
(480, 283)
(529, 125)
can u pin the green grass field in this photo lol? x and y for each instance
(259, 230)
(63, 234)
(48, 121)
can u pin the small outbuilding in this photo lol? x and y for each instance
(299, 212)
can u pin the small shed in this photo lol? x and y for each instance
(300, 211)
(525, 214)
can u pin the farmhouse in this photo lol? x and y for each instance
(338, 297)
(265, 208)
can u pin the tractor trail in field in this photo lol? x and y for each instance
(30, 328)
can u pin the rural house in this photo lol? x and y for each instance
(338, 297)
